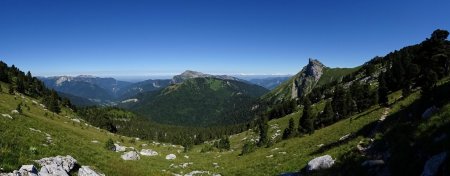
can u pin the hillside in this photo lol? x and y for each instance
(312, 75)
(200, 102)
(141, 87)
(389, 117)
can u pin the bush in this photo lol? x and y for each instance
(110, 145)
(248, 148)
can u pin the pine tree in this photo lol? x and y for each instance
(11, 89)
(327, 116)
(306, 124)
(288, 132)
(382, 90)
(263, 130)
(1, 89)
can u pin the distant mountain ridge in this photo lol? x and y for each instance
(189, 74)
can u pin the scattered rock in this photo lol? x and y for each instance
(52, 169)
(269, 156)
(430, 111)
(148, 152)
(323, 162)
(144, 145)
(345, 137)
(320, 145)
(120, 148)
(185, 156)
(57, 163)
(32, 129)
(431, 167)
(14, 112)
(283, 153)
(275, 149)
(95, 142)
(372, 163)
(171, 157)
(28, 170)
(216, 165)
(131, 155)
(7, 116)
(76, 120)
(87, 171)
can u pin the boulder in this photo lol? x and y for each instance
(120, 148)
(430, 111)
(148, 152)
(171, 157)
(7, 116)
(25, 170)
(432, 166)
(53, 170)
(55, 164)
(87, 171)
(131, 155)
(319, 163)
(14, 112)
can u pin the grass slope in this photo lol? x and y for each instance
(71, 138)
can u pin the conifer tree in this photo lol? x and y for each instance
(382, 90)
(288, 132)
(306, 124)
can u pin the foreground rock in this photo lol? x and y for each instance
(53, 166)
(25, 170)
(319, 163)
(148, 152)
(119, 148)
(432, 166)
(132, 155)
(87, 171)
(171, 157)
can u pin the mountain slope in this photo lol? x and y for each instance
(141, 87)
(312, 75)
(89, 87)
(200, 101)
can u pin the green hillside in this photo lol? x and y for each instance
(200, 102)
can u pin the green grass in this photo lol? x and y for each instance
(71, 138)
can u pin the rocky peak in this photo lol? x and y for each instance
(314, 69)
(189, 74)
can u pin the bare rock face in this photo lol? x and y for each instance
(189, 74)
(87, 171)
(132, 155)
(148, 152)
(57, 165)
(319, 163)
(307, 78)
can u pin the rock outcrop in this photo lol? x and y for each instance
(307, 78)
(87, 171)
(319, 163)
(58, 163)
(148, 152)
(432, 166)
(171, 157)
(131, 155)
(189, 74)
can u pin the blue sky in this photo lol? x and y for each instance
(130, 38)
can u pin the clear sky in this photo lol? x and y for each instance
(130, 37)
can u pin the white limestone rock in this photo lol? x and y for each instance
(148, 152)
(319, 163)
(131, 155)
(87, 171)
(171, 157)
(57, 163)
